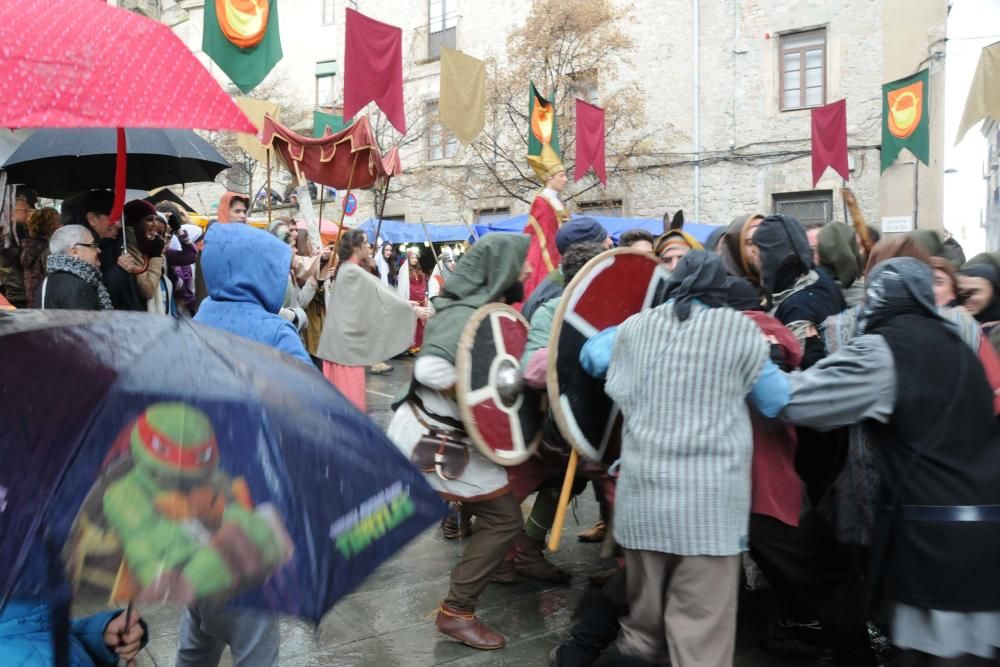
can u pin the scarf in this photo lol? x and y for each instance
(898, 286)
(82, 270)
(699, 276)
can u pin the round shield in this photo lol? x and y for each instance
(609, 289)
(502, 416)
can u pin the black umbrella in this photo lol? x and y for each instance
(61, 161)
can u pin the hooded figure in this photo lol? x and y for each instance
(226, 202)
(935, 541)
(388, 267)
(246, 273)
(734, 247)
(838, 254)
(490, 271)
(979, 293)
(797, 293)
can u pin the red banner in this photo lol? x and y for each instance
(829, 140)
(373, 68)
(589, 141)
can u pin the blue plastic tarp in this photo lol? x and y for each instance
(615, 226)
(394, 231)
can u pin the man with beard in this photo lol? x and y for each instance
(492, 271)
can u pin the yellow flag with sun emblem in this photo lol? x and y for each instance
(905, 118)
(241, 36)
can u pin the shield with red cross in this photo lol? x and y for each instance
(502, 416)
(609, 289)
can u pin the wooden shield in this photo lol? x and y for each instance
(502, 416)
(608, 290)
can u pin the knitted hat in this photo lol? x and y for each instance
(175, 439)
(578, 230)
(136, 210)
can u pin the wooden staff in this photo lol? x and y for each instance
(555, 534)
(343, 209)
(427, 235)
(472, 230)
(857, 219)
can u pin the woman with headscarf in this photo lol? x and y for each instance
(427, 429)
(979, 293)
(412, 286)
(388, 265)
(799, 296)
(681, 373)
(736, 247)
(936, 541)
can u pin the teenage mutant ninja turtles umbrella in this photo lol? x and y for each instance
(165, 461)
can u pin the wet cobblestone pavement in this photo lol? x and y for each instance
(389, 620)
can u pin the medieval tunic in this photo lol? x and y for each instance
(544, 218)
(365, 323)
(684, 480)
(939, 575)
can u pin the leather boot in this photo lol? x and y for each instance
(466, 627)
(505, 573)
(593, 633)
(530, 562)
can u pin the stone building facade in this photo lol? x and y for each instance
(727, 85)
(991, 176)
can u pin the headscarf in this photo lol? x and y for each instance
(898, 286)
(838, 251)
(488, 270)
(222, 215)
(742, 295)
(699, 276)
(985, 265)
(928, 240)
(675, 238)
(785, 254)
(387, 269)
(731, 249)
(712, 242)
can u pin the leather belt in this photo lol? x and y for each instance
(957, 513)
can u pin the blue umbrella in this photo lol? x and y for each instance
(171, 462)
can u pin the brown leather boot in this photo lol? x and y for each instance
(505, 573)
(466, 627)
(595, 533)
(530, 562)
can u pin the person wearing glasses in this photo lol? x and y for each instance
(74, 276)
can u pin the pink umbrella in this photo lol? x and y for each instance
(81, 63)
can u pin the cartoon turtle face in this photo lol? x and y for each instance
(174, 442)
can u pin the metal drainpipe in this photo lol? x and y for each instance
(697, 120)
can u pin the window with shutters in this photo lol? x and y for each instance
(803, 69)
(441, 142)
(810, 207)
(487, 216)
(610, 208)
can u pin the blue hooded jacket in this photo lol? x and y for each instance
(26, 637)
(246, 273)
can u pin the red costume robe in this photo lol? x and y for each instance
(543, 255)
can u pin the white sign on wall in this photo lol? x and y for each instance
(897, 224)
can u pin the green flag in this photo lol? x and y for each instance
(906, 118)
(244, 44)
(542, 118)
(322, 120)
